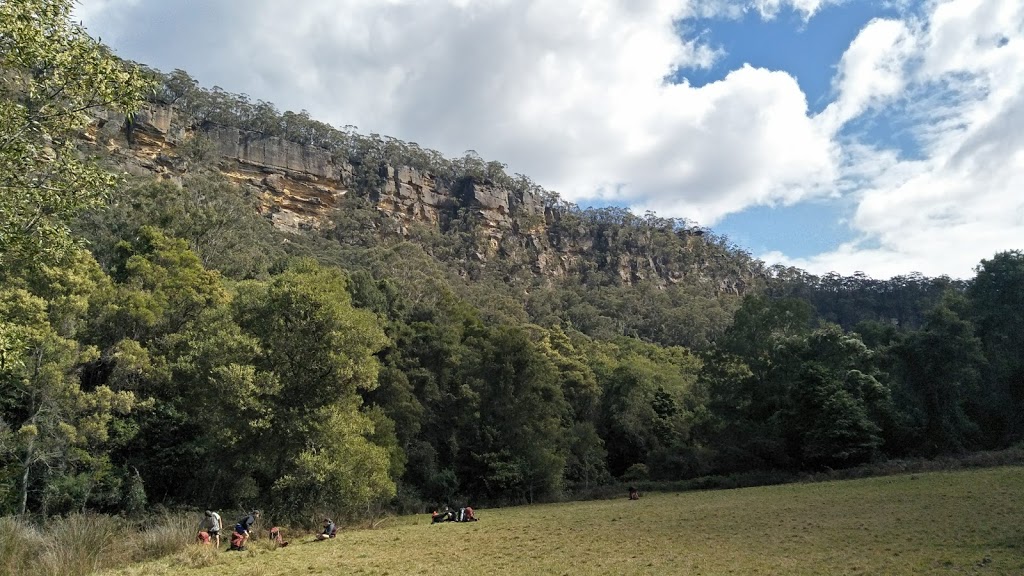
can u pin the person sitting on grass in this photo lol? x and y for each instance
(203, 537)
(446, 516)
(634, 494)
(276, 538)
(329, 530)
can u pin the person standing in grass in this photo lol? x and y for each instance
(211, 525)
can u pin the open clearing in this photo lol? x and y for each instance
(936, 523)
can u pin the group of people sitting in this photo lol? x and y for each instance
(210, 527)
(448, 515)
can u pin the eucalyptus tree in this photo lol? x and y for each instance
(52, 76)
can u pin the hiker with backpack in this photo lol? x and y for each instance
(242, 530)
(211, 525)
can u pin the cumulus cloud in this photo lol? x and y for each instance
(767, 9)
(958, 72)
(770, 8)
(574, 94)
(871, 71)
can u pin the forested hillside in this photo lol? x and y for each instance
(211, 330)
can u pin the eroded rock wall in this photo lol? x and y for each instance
(300, 186)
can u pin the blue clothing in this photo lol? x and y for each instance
(245, 524)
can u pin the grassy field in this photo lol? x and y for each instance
(969, 522)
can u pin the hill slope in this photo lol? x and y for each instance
(304, 172)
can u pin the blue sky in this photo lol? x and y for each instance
(810, 50)
(883, 137)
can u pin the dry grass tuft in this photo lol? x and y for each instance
(20, 545)
(82, 544)
(196, 556)
(163, 536)
(85, 543)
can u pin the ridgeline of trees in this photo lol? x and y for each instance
(169, 347)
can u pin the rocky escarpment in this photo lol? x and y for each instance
(300, 187)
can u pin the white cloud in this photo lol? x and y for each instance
(770, 8)
(746, 140)
(572, 93)
(961, 79)
(870, 72)
(767, 9)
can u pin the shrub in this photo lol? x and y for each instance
(636, 472)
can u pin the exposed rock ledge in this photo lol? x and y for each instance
(299, 186)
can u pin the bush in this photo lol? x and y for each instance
(636, 472)
(741, 480)
(408, 500)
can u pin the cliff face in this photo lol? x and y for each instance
(300, 186)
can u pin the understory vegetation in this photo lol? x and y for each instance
(162, 345)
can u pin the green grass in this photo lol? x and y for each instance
(965, 522)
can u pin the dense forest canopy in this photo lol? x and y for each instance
(161, 343)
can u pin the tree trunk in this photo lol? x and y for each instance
(25, 477)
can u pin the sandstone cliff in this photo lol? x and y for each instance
(300, 186)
